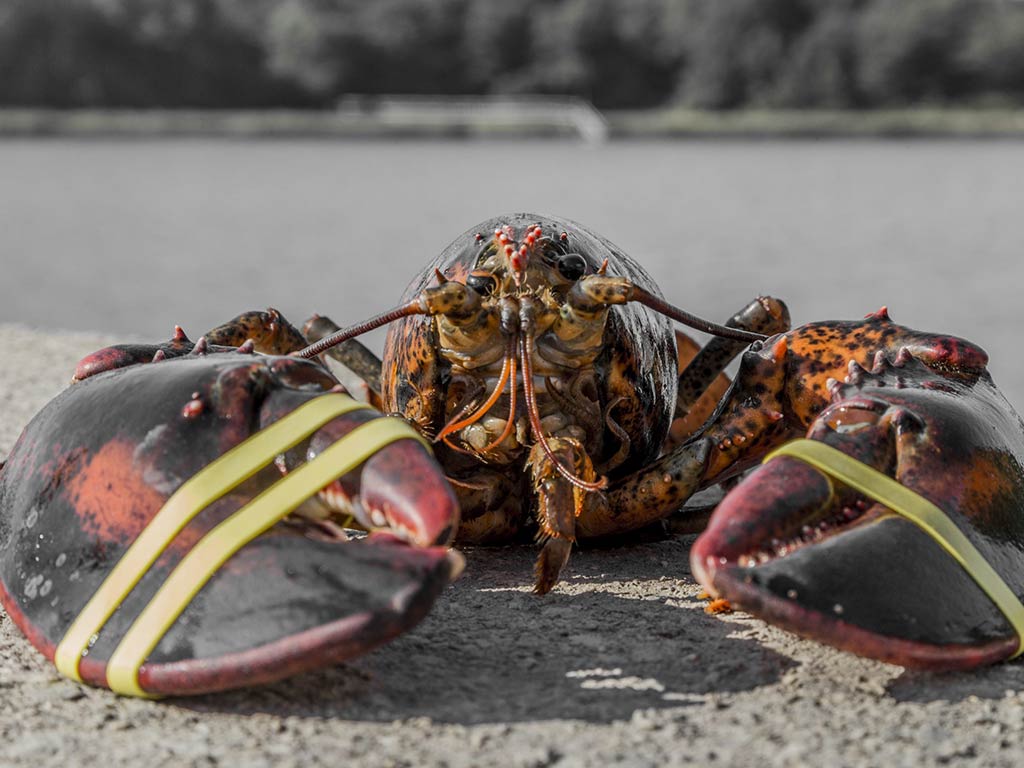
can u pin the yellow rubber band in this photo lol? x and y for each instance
(214, 549)
(194, 495)
(914, 507)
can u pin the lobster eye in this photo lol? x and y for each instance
(572, 266)
(482, 282)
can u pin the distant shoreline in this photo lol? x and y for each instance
(439, 123)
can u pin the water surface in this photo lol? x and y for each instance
(134, 237)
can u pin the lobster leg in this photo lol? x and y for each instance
(648, 495)
(352, 354)
(701, 381)
(783, 384)
(269, 330)
(265, 331)
(748, 423)
(490, 507)
(661, 488)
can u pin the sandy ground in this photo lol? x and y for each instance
(620, 665)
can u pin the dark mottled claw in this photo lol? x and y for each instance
(94, 468)
(827, 561)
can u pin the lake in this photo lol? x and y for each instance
(134, 237)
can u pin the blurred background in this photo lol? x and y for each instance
(617, 54)
(179, 161)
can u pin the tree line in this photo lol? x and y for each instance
(620, 54)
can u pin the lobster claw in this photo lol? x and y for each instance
(801, 545)
(149, 542)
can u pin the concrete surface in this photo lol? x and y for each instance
(620, 665)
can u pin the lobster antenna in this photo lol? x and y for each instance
(682, 316)
(412, 308)
(638, 294)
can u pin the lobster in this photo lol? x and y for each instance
(147, 543)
